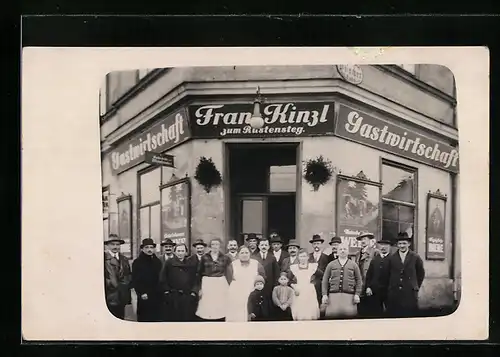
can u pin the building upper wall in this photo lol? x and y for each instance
(389, 83)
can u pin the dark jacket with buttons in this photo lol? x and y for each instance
(374, 279)
(342, 279)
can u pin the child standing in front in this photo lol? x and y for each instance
(259, 306)
(282, 299)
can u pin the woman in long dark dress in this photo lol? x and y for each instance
(145, 272)
(213, 278)
(178, 283)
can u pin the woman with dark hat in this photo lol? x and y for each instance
(145, 274)
(403, 276)
(178, 281)
(117, 277)
(213, 278)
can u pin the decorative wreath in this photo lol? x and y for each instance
(318, 171)
(207, 174)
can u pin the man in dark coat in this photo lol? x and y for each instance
(363, 258)
(317, 256)
(167, 250)
(270, 265)
(293, 248)
(334, 243)
(178, 283)
(403, 276)
(278, 252)
(200, 248)
(375, 295)
(117, 277)
(145, 281)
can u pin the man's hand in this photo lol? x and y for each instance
(144, 296)
(356, 299)
(324, 299)
(369, 292)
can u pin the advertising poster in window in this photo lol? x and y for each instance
(125, 224)
(434, 242)
(105, 203)
(175, 211)
(357, 210)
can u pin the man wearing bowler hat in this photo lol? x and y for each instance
(168, 250)
(293, 248)
(375, 295)
(276, 246)
(363, 258)
(117, 277)
(145, 281)
(334, 243)
(252, 242)
(403, 276)
(317, 256)
(200, 247)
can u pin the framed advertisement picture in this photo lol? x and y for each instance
(176, 211)
(358, 208)
(124, 203)
(435, 245)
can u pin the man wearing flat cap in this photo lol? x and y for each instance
(363, 258)
(375, 295)
(145, 281)
(402, 277)
(117, 277)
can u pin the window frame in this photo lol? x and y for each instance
(268, 181)
(414, 204)
(106, 218)
(140, 206)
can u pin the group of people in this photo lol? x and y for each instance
(261, 281)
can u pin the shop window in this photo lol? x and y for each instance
(282, 178)
(149, 205)
(398, 200)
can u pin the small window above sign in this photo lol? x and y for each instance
(351, 73)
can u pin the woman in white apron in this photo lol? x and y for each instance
(244, 271)
(214, 275)
(303, 276)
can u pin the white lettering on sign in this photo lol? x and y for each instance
(436, 248)
(273, 113)
(354, 125)
(167, 134)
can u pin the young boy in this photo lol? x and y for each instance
(282, 298)
(259, 305)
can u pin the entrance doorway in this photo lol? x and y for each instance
(262, 184)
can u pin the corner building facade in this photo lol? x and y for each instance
(388, 134)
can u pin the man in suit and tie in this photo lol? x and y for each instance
(252, 243)
(270, 265)
(293, 248)
(363, 258)
(317, 256)
(334, 243)
(402, 278)
(278, 252)
(375, 295)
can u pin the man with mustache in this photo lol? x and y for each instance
(293, 248)
(232, 249)
(317, 256)
(334, 243)
(363, 258)
(168, 250)
(374, 291)
(276, 245)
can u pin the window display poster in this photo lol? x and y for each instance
(434, 242)
(357, 211)
(175, 215)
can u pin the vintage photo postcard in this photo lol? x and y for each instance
(325, 194)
